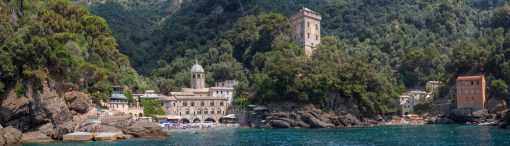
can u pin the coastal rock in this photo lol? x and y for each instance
(279, 124)
(35, 137)
(121, 121)
(78, 101)
(464, 115)
(146, 129)
(46, 129)
(9, 135)
(95, 128)
(47, 106)
(346, 120)
(79, 136)
(107, 136)
(14, 111)
(63, 129)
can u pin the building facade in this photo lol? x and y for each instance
(119, 102)
(306, 30)
(411, 99)
(470, 92)
(432, 86)
(198, 103)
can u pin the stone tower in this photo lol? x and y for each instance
(197, 79)
(306, 29)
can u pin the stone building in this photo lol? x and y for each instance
(411, 99)
(306, 31)
(470, 92)
(432, 86)
(119, 102)
(198, 103)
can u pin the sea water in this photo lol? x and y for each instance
(440, 135)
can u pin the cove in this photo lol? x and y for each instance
(453, 135)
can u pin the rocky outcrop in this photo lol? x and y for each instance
(78, 101)
(146, 129)
(9, 135)
(44, 113)
(33, 108)
(310, 117)
(35, 137)
(465, 115)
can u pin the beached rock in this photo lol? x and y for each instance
(78, 136)
(346, 120)
(279, 124)
(146, 129)
(96, 128)
(124, 136)
(63, 129)
(46, 129)
(464, 115)
(107, 136)
(78, 101)
(35, 137)
(9, 135)
(122, 121)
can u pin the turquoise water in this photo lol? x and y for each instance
(440, 135)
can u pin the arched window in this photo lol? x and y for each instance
(206, 111)
(218, 111)
(187, 111)
(198, 111)
(193, 76)
(212, 111)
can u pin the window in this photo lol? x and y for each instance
(472, 91)
(212, 111)
(199, 112)
(308, 34)
(477, 82)
(193, 76)
(316, 27)
(466, 83)
(202, 103)
(187, 111)
(308, 24)
(316, 37)
(221, 92)
(466, 91)
(218, 111)
(217, 92)
(221, 103)
(192, 103)
(472, 83)
(206, 111)
(477, 91)
(211, 102)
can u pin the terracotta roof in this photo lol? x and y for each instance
(470, 77)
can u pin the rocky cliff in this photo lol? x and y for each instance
(311, 117)
(47, 113)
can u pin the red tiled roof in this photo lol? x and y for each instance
(470, 77)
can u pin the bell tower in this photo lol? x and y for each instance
(197, 79)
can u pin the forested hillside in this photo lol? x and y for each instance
(375, 49)
(59, 43)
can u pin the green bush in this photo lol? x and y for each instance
(19, 88)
